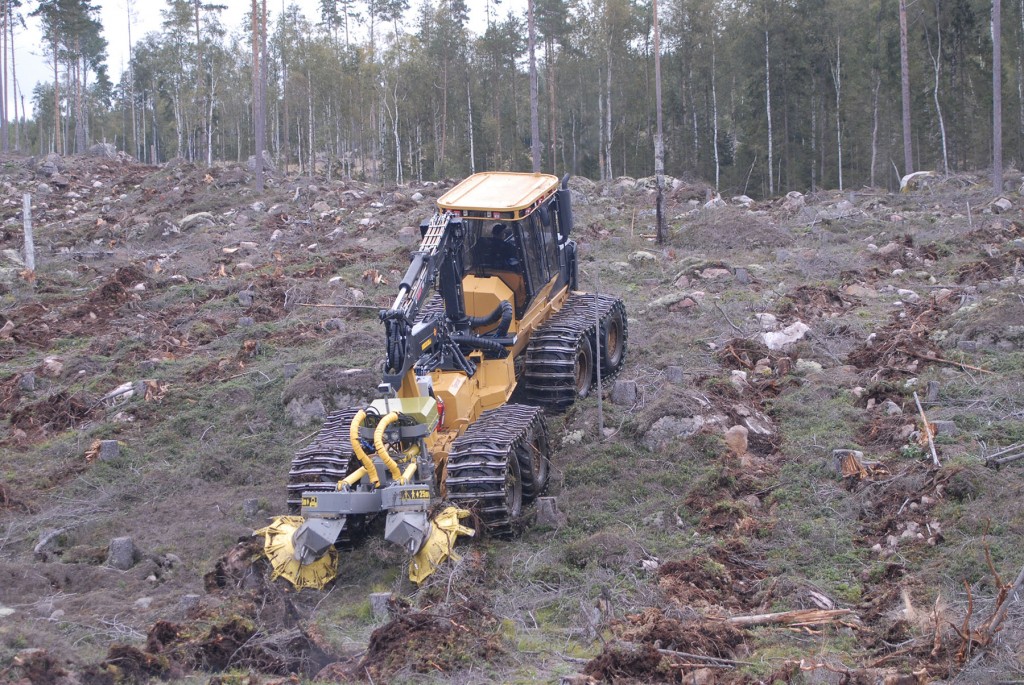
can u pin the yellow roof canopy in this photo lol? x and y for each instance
(499, 191)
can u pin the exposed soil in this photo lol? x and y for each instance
(204, 331)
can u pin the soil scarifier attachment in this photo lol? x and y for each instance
(443, 443)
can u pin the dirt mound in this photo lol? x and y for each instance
(905, 342)
(991, 267)
(55, 413)
(443, 639)
(728, 578)
(809, 302)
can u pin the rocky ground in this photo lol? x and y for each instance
(762, 502)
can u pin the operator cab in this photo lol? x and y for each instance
(513, 231)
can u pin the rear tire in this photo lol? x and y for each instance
(534, 457)
(613, 336)
(584, 366)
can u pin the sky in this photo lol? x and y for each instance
(34, 67)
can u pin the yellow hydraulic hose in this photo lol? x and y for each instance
(382, 450)
(352, 478)
(364, 459)
(408, 473)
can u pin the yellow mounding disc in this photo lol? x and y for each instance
(444, 529)
(278, 547)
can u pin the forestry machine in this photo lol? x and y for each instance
(444, 442)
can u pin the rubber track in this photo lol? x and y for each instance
(550, 372)
(479, 460)
(320, 465)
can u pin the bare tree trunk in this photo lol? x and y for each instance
(874, 124)
(768, 108)
(534, 107)
(659, 141)
(4, 145)
(908, 156)
(837, 79)
(469, 123)
(600, 128)
(714, 110)
(14, 91)
(997, 97)
(608, 114)
(57, 140)
(312, 153)
(79, 100)
(399, 176)
(257, 101)
(937, 65)
(552, 112)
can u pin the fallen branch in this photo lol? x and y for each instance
(930, 358)
(927, 430)
(341, 306)
(718, 661)
(803, 617)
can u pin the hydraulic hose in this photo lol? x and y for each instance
(503, 312)
(480, 343)
(364, 459)
(382, 449)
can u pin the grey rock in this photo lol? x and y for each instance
(416, 197)
(968, 345)
(57, 615)
(51, 164)
(245, 297)
(932, 395)
(290, 370)
(1001, 205)
(27, 382)
(302, 412)
(197, 220)
(407, 235)
(268, 163)
(320, 207)
(667, 430)
(947, 428)
(109, 450)
(380, 605)
(43, 188)
(246, 321)
(250, 507)
(675, 374)
(743, 276)
(104, 150)
(121, 554)
(625, 393)
(806, 366)
(188, 602)
(548, 513)
(334, 325)
(891, 408)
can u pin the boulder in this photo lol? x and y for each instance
(320, 207)
(122, 554)
(1001, 205)
(380, 605)
(104, 150)
(109, 450)
(625, 392)
(548, 513)
(736, 439)
(302, 413)
(793, 201)
(668, 430)
(268, 163)
(777, 340)
(51, 164)
(197, 220)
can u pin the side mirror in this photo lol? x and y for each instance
(564, 198)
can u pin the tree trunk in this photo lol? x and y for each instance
(908, 156)
(997, 97)
(57, 140)
(659, 141)
(937, 66)
(469, 123)
(714, 110)
(874, 124)
(309, 103)
(534, 107)
(4, 145)
(600, 127)
(837, 80)
(256, 99)
(552, 112)
(608, 113)
(79, 100)
(768, 108)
